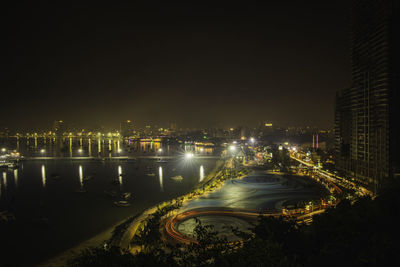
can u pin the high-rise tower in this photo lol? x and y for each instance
(366, 130)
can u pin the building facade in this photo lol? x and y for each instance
(366, 129)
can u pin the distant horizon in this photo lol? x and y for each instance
(159, 125)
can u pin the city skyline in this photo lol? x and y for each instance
(232, 65)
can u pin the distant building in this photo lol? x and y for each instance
(59, 127)
(366, 130)
(126, 128)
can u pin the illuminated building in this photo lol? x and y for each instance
(366, 132)
(59, 127)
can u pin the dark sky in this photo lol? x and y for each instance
(196, 63)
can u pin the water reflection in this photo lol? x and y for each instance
(43, 176)
(5, 180)
(160, 174)
(120, 175)
(16, 177)
(70, 146)
(201, 173)
(99, 145)
(80, 176)
(90, 147)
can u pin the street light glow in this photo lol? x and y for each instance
(189, 155)
(42, 150)
(232, 148)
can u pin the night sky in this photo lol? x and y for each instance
(198, 64)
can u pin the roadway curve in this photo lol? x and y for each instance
(172, 223)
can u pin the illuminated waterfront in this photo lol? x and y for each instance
(100, 147)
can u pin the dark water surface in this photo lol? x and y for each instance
(55, 208)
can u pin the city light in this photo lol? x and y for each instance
(119, 150)
(80, 150)
(3, 149)
(42, 151)
(252, 140)
(232, 148)
(189, 155)
(159, 150)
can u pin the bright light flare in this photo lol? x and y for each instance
(189, 155)
(232, 148)
(42, 151)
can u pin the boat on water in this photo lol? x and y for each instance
(8, 164)
(122, 203)
(177, 178)
(126, 195)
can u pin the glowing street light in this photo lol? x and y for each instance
(42, 151)
(119, 150)
(189, 155)
(252, 140)
(3, 149)
(232, 148)
(159, 150)
(80, 150)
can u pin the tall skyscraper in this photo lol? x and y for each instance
(366, 130)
